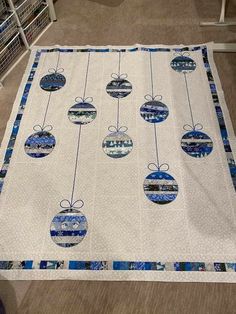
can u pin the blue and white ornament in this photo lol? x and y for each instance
(195, 143)
(159, 186)
(83, 112)
(69, 226)
(117, 144)
(119, 87)
(41, 143)
(53, 81)
(154, 111)
(183, 63)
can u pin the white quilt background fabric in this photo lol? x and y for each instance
(123, 224)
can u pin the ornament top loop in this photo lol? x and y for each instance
(152, 166)
(122, 129)
(116, 76)
(39, 128)
(66, 204)
(195, 127)
(198, 127)
(162, 167)
(55, 71)
(84, 99)
(149, 97)
(113, 128)
(59, 70)
(182, 53)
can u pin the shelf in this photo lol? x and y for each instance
(10, 52)
(22, 22)
(33, 29)
(8, 28)
(27, 9)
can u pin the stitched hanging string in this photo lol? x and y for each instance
(86, 76)
(151, 97)
(159, 186)
(189, 102)
(46, 111)
(76, 165)
(153, 166)
(56, 69)
(194, 143)
(193, 127)
(51, 71)
(118, 144)
(118, 76)
(155, 136)
(150, 63)
(72, 203)
(118, 100)
(118, 114)
(58, 59)
(119, 63)
(74, 226)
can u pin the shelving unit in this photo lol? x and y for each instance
(3, 7)
(8, 28)
(26, 8)
(221, 21)
(34, 28)
(21, 24)
(10, 52)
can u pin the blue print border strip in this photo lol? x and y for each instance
(134, 49)
(220, 117)
(17, 122)
(117, 266)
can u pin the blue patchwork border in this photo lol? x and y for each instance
(16, 125)
(119, 265)
(220, 117)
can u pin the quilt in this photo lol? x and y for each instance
(118, 163)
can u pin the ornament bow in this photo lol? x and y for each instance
(149, 97)
(116, 76)
(55, 71)
(39, 128)
(113, 128)
(84, 99)
(195, 127)
(162, 167)
(182, 53)
(66, 204)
